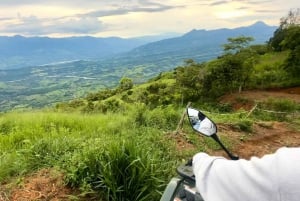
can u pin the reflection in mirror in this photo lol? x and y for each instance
(201, 123)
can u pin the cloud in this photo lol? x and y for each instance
(142, 6)
(5, 18)
(26, 25)
(218, 3)
(122, 11)
(84, 3)
(83, 25)
(245, 2)
(272, 11)
(127, 18)
(77, 23)
(32, 25)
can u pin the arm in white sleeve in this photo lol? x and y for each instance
(270, 178)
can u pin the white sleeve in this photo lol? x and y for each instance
(265, 179)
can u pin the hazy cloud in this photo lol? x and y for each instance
(218, 3)
(266, 11)
(78, 26)
(82, 3)
(34, 26)
(82, 23)
(128, 18)
(26, 25)
(122, 11)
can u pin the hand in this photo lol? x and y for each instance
(199, 156)
(189, 163)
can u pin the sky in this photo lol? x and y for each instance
(133, 18)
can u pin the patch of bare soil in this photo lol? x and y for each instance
(46, 185)
(246, 99)
(266, 138)
(181, 141)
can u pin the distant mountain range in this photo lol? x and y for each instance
(94, 69)
(200, 45)
(19, 52)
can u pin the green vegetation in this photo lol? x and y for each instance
(115, 144)
(101, 153)
(242, 66)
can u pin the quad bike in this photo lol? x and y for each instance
(183, 187)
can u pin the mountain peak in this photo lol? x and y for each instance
(259, 24)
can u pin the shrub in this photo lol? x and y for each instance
(49, 152)
(245, 125)
(120, 171)
(111, 105)
(276, 109)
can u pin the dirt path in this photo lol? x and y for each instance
(266, 138)
(247, 99)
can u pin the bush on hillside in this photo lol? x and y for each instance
(120, 171)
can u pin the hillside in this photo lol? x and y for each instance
(125, 142)
(45, 85)
(264, 138)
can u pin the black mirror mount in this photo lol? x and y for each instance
(231, 156)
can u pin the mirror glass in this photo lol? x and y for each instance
(201, 123)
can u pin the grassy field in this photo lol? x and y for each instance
(112, 155)
(98, 152)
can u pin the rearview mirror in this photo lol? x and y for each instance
(201, 123)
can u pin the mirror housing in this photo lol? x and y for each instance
(201, 123)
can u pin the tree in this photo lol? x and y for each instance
(236, 44)
(287, 37)
(125, 84)
(291, 20)
(292, 64)
(292, 38)
(292, 42)
(227, 74)
(189, 80)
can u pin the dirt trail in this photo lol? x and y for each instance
(266, 138)
(236, 99)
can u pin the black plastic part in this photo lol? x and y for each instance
(186, 172)
(189, 163)
(231, 156)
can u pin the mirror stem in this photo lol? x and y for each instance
(216, 138)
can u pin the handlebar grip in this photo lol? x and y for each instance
(189, 163)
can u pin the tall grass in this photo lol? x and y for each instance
(114, 154)
(120, 171)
